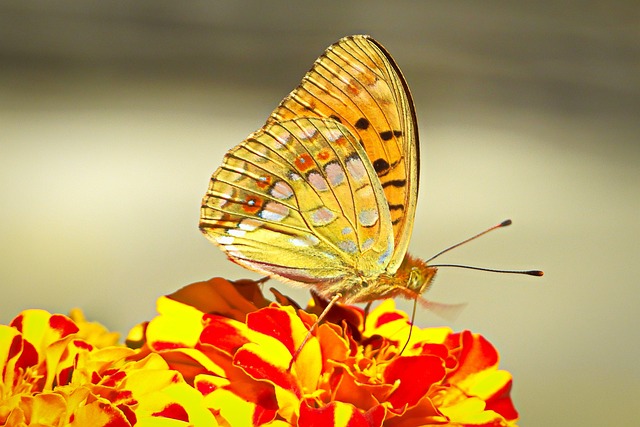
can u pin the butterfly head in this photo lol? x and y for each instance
(416, 276)
(412, 279)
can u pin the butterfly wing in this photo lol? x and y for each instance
(300, 201)
(357, 83)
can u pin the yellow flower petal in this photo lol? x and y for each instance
(178, 325)
(93, 332)
(235, 410)
(471, 412)
(180, 394)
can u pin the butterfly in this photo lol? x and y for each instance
(324, 194)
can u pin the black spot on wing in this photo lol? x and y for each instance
(362, 123)
(380, 165)
(336, 118)
(395, 183)
(396, 207)
(386, 135)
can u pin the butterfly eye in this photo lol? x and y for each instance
(414, 279)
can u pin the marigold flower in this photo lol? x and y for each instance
(93, 332)
(219, 353)
(239, 353)
(52, 377)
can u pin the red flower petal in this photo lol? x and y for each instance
(502, 404)
(63, 325)
(338, 414)
(474, 354)
(274, 322)
(174, 411)
(358, 389)
(259, 369)
(387, 317)
(416, 375)
(223, 334)
(28, 353)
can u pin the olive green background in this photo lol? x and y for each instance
(113, 115)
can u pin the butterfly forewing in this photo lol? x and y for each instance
(300, 200)
(357, 83)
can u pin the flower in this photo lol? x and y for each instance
(93, 332)
(53, 377)
(220, 354)
(247, 359)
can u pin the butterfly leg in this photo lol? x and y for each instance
(324, 313)
(263, 280)
(366, 312)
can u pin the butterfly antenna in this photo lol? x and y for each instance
(492, 270)
(504, 223)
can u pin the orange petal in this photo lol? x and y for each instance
(192, 362)
(285, 326)
(357, 389)
(474, 354)
(415, 375)
(257, 362)
(339, 414)
(219, 296)
(477, 373)
(394, 325)
(274, 322)
(237, 411)
(16, 356)
(177, 401)
(424, 413)
(471, 412)
(501, 402)
(332, 344)
(225, 334)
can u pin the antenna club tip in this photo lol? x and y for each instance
(506, 222)
(536, 273)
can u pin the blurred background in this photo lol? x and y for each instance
(113, 115)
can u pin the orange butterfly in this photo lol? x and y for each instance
(324, 194)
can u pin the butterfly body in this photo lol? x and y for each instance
(410, 281)
(324, 195)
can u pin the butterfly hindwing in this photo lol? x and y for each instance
(357, 83)
(300, 200)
